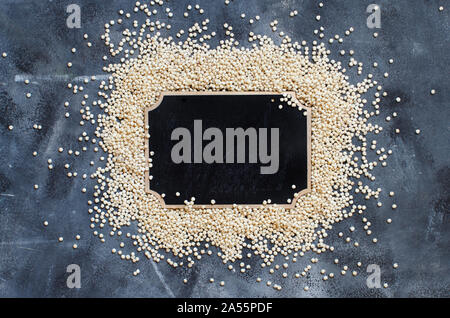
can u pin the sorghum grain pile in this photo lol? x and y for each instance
(149, 64)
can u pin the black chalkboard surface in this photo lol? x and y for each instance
(181, 164)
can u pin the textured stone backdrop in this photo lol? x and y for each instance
(34, 34)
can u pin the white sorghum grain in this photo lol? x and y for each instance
(163, 65)
(305, 78)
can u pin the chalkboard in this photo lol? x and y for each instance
(182, 125)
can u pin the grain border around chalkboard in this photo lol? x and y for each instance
(297, 195)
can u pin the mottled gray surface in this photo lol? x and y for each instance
(33, 32)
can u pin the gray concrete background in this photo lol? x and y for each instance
(32, 264)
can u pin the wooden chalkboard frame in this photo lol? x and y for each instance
(230, 205)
